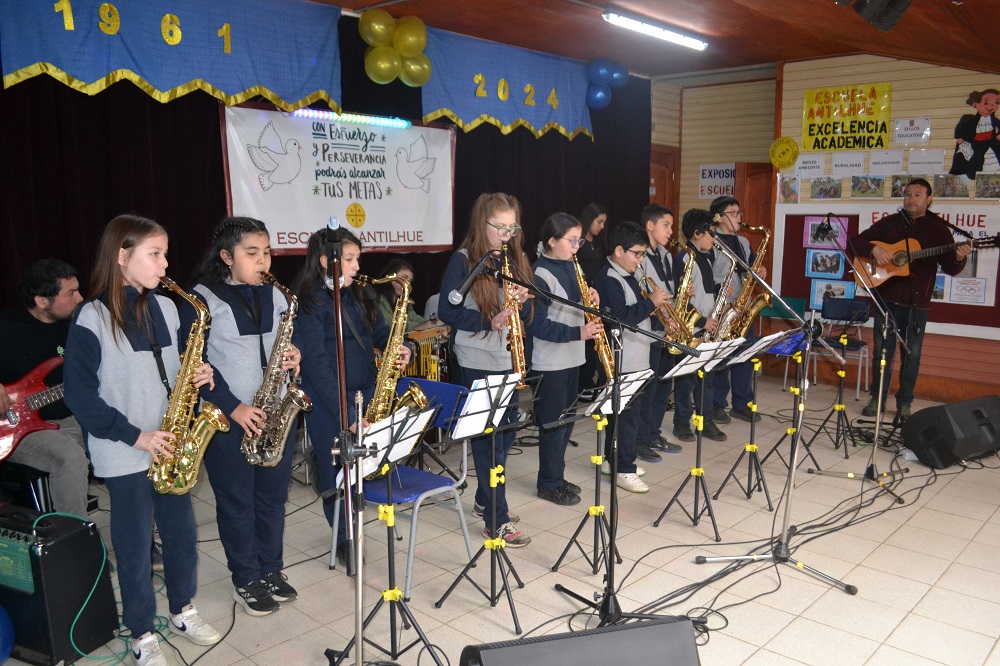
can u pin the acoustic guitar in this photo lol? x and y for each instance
(28, 395)
(865, 268)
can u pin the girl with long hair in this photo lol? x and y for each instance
(558, 361)
(592, 255)
(249, 499)
(388, 293)
(316, 335)
(122, 356)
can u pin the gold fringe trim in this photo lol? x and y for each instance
(507, 129)
(39, 68)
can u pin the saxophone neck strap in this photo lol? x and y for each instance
(363, 341)
(255, 315)
(154, 345)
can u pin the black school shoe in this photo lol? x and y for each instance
(745, 415)
(645, 453)
(572, 487)
(559, 496)
(712, 432)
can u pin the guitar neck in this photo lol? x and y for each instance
(43, 398)
(934, 251)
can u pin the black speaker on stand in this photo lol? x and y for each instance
(48, 570)
(943, 435)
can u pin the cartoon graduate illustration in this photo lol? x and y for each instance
(978, 149)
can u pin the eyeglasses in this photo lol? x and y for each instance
(638, 254)
(505, 232)
(573, 242)
(733, 213)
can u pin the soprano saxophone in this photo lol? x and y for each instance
(176, 474)
(601, 345)
(384, 402)
(268, 446)
(515, 330)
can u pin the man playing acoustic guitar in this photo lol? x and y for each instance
(906, 292)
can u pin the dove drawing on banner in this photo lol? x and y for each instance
(414, 167)
(279, 160)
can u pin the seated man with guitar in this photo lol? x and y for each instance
(891, 259)
(36, 427)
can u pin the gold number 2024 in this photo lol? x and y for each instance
(503, 92)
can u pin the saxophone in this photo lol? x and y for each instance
(689, 316)
(746, 307)
(385, 402)
(722, 308)
(267, 447)
(515, 331)
(176, 474)
(601, 345)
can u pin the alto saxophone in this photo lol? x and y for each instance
(688, 316)
(673, 322)
(746, 307)
(268, 446)
(722, 307)
(176, 474)
(385, 402)
(601, 345)
(515, 331)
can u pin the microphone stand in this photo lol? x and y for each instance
(864, 278)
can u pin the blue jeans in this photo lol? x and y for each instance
(653, 401)
(912, 331)
(490, 450)
(556, 392)
(134, 503)
(249, 506)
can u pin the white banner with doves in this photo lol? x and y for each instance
(393, 188)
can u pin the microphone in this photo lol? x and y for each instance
(332, 225)
(825, 229)
(906, 218)
(458, 295)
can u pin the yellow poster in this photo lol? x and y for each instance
(849, 117)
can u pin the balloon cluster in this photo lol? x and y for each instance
(395, 48)
(604, 76)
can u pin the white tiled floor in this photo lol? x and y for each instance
(927, 571)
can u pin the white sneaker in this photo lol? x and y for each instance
(632, 483)
(606, 469)
(190, 625)
(146, 651)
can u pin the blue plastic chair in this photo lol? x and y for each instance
(415, 487)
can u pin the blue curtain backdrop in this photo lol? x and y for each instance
(72, 162)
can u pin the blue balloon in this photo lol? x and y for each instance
(599, 71)
(6, 635)
(598, 96)
(619, 76)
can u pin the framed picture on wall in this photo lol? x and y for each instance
(829, 289)
(824, 264)
(949, 186)
(788, 188)
(867, 187)
(988, 186)
(811, 236)
(824, 187)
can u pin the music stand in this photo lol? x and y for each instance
(755, 473)
(794, 343)
(394, 438)
(486, 404)
(579, 410)
(713, 353)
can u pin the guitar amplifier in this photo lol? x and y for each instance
(46, 576)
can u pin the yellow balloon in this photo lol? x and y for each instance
(415, 71)
(410, 36)
(376, 27)
(382, 64)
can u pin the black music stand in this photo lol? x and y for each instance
(842, 427)
(755, 473)
(486, 404)
(394, 438)
(798, 402)
(712, 354)
(597, 410)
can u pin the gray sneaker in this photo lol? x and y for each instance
(903, 412)
(871, 409)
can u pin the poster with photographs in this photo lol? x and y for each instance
(949, 186)
(811, 234)
(988, 186)
(867, 187)
(824, 188)
(898, 184)
(827, 264)
(788, 189)
(829, 289)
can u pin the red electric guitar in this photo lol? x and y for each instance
(899, 263)
(27, 396)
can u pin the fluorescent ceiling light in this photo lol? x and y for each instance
(654, 31)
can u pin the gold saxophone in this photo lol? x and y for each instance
(688, 316)
(385, 402)
(722, 307)
(601, 345)
(746, 307)
(176, 474)
(515, 331)
(267, 447)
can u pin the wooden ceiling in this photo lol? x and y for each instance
(740, 33)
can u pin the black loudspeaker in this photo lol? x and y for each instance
(47, 570)
(661, 641)
(941, 436)
(883, 14)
